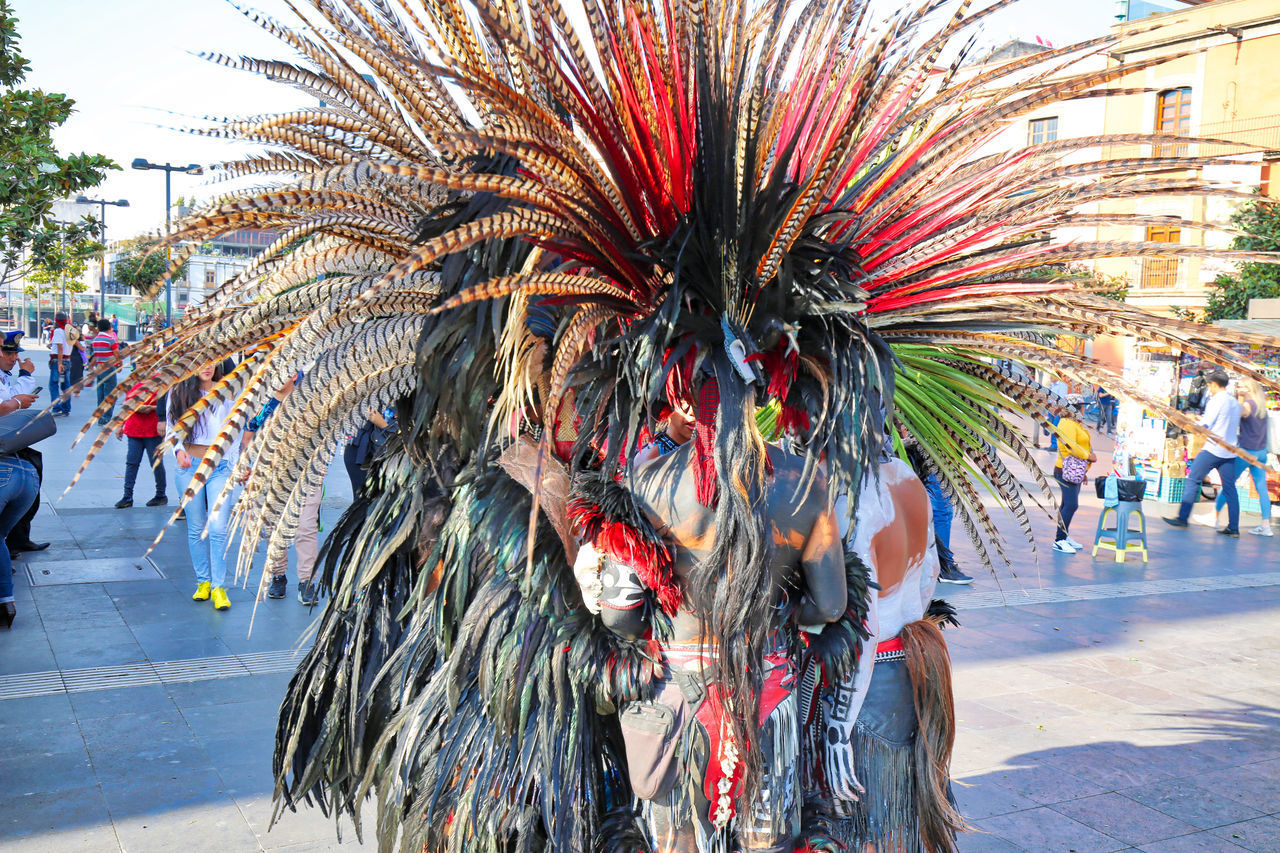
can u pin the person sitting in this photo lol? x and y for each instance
(19, 392)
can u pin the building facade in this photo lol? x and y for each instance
(1216, 80)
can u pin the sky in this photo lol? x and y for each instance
(133, 70)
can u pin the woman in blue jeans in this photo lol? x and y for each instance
(18, 487)
(208, 553)
(1253, 441)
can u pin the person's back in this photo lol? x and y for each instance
(884, 721)
(806, 541)
(686, 775)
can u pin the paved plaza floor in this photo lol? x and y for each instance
(1102, 706)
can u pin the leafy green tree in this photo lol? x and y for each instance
(1229, 295)
(33, 175)
(1111, 286)
(141, 269)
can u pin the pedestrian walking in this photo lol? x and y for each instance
(115, 325)
(59, 365)
(306, 541)
(207, 546)
(102, 352)
(362, 448)
(1058, 389)
(143, 432)
(943, 514)
(1106, 411)
(1253, 441)
(1075, 455)
(75, 359)
(1222, 418)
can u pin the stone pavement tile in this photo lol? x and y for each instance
(1110, 765)
(26, 772)
(1028, 707)
(1042, 783)
(51, 710)
(163, 643)
(1187, 802)
(1246, 786)
(980, 841)
(124, 589)
(127, 759)
(1084, 699)
(1269, 768)
(24, 650)
(1179, 760)
(250, 722)
(976, 752)
(1201, 842)
(96, 704)
(1121, 818)
(144, 794)
(306, 825)
(1008, 678)
(141, 728)
(1130, 690)
(1044, 830)
(1229, 751)
(53, 811)
(1261, 835)
(163, 608)
(41, 737)
(978, 799)
(1068, 672)
(977, 716)
(80, 839)
(77, 650)
(211, 827)
(348, 842)
(220, 691)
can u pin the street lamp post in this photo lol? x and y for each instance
(169, 169)
(102, 205)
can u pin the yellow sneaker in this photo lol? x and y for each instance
(220, 600)
(202, 592)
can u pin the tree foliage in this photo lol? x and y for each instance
(141, 269)
(1229, 295)
(65, 262)
(33, 175)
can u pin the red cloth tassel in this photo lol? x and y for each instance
(704, 438)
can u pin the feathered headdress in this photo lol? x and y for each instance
(553, 216)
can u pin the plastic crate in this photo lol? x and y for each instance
(1171, 489)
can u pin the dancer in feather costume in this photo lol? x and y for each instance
(524, 224)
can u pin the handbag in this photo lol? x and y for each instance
(23, 428)
(1074, 469)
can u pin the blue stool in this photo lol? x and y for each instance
(1120, 538)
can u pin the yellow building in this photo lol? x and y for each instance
(1219, 82)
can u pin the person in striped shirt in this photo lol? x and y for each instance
(102, 350)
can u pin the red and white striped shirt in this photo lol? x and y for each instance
(103, 347)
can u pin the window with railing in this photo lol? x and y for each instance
(1161, 272)
(1040, 130)
(1173, 116)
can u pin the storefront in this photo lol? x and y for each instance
(1148, 446)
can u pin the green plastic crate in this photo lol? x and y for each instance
(1171, 489)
